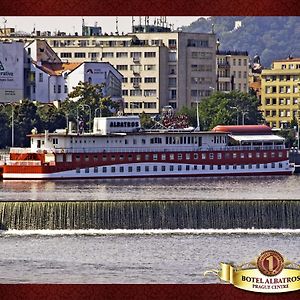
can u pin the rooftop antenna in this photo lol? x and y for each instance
(132, 23)
(33, 30)
(117, 25)
(4, 25)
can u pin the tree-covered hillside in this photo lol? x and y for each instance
(270, 37)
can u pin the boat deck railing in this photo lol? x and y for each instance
(169, 149)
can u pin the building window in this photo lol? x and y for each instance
(95, 169)
(107, 54)
(149, 93)
(122, 54)
(79, 55)
(40, 77)
(149, 54)
(172, 43)
(66, 55)
(66, 89)
(150, 79)
(59, 88)
(149, 67)
(122, 67)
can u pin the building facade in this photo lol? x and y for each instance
(54, 81)
(33, 70)
(233, 70)
(280, 92)
(159, 68)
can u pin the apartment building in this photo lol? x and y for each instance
(280, 92)
(160, 67)
(232, 70)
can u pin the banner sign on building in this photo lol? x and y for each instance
(11, 71)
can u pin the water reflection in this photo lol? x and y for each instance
(277, 187)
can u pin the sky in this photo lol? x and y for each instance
(73, 24)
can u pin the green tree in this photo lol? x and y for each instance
(146, 121)
(86, 99)
(51, 118)
(4, 128)
(225, 109)
(229, 109)
(25, 119)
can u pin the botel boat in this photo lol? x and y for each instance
(118, 147)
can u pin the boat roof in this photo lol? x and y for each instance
(257, 138)
(243, 129)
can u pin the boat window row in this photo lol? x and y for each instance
(171, 168)
(183, 140)
(175, 156)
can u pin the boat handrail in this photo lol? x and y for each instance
(167, 149)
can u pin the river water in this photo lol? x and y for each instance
(221, 188)
(142, 255)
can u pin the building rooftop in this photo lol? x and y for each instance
(288, 60)
(56, 69)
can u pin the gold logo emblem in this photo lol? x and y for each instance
(270, 263)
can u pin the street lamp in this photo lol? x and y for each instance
(243, 118)
(95, 113)
(197, 80)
